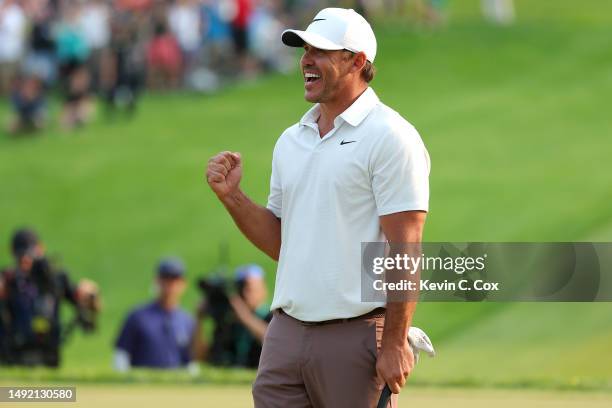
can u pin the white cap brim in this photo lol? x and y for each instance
(297, 38)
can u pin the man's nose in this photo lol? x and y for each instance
(306, 59)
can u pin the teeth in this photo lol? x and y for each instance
(311, 75)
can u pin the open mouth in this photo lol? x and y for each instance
(310, 77)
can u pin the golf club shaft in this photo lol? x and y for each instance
(384, 397)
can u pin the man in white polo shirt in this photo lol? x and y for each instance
(352, 170)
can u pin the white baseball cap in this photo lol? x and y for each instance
(336, 29)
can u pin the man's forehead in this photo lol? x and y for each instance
(308, 47)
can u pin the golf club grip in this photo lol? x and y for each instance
(384, 397)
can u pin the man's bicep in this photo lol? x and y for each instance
(404, 226)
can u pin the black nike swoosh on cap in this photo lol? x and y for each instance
(350, 141)
(318, 19)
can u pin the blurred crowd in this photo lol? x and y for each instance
(115, 48)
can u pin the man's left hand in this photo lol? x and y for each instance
(394, 365)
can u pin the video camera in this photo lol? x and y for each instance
(51, 281)
(215, 291)
(215, 287)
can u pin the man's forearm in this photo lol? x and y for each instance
(401, 304)
(257, 223)
(404, 232)
(398, 319)
(199, 347)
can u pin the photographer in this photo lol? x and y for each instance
(240, 319)
(31, 331)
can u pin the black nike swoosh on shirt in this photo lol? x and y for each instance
(350, 141)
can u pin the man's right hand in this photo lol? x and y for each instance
(224, 173)
(256, 222)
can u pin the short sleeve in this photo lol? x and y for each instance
(275, 199)
(128, 336)
(400, 172)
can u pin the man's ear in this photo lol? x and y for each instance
(359, 62)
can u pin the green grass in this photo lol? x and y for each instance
(516, 121)
(118, 396)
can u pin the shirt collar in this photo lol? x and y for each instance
(353, 115)
(310, 117)
(361, 108)
(155, 305)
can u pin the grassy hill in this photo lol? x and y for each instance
(516, 121)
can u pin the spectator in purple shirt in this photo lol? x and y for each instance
(158, 334)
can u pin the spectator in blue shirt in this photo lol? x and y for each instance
(158, 334)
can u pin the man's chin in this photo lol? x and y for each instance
(312, 98)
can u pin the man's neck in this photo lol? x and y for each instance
(329, 111)
(167, 305)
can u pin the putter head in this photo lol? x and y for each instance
(419, 341)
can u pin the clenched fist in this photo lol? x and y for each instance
(224, 173)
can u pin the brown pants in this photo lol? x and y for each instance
(326, 366)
